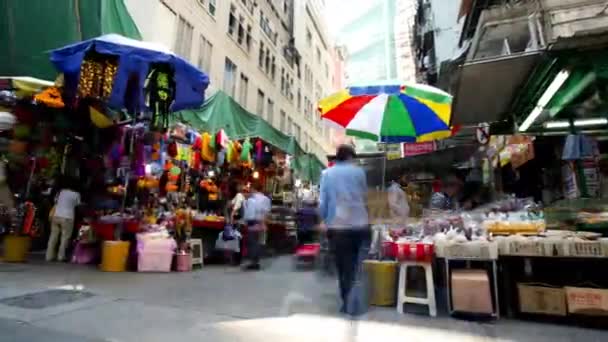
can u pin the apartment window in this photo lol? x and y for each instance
(326, 70)
(289, 126)
(282, 121)
(243, 88)
(299, 100)
(229, 77)
(204, 54)
(308, 38)
(261, 56)
(248, 38)
(183, 38)
(273, 68)
(282, 81)
(212, 6)
(305, 142)
(270, 109)
(267, 28)
(297, 132)
(260, 104)
(241, 32)
(232, 20)
(318, 55)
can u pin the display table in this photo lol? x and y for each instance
(207, 231)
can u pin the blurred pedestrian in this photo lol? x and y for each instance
(257, 208)
(343, 209)
(397, 200)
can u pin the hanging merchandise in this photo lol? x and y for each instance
(97, 74)
(196, 153)
(229, 152)
(235, 155)
(207, 150)
(50, 97)
(221, 140)
(246, 151)
(161, 93)
(259, 148)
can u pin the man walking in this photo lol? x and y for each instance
(256, 210)
(343, 208)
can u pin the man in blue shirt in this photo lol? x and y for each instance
(343, 208)
(257, 208)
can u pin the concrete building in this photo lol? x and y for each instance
(273, 57)
(370, 39)
(437, 32)
(404, 40)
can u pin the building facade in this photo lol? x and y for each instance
(404, 40)
(370, 40)
(272, 56)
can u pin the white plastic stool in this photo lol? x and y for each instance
(196, 249)
(402, 298)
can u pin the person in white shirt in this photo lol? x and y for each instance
(257, 208)
(397, 200)
(62, 223)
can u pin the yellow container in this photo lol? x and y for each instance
(16, 248)
(114, 256)
(382, 277)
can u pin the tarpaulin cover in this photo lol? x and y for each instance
(30, 29)
(135, 60)
(220, 111)
(308, 167)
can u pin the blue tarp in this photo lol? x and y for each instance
(135, 58)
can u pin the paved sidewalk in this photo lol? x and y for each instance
(220, 303)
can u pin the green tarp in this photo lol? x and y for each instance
(30, 28)
(221, 111)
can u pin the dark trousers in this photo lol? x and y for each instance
(350, 247)
(254, 248)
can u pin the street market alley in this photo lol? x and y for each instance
(219, 303)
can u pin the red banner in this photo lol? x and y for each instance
(414, 149)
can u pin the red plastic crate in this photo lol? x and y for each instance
(412, 251)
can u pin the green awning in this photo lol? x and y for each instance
(221, 111)
(31, 28)
(308, 168)
(588, 74)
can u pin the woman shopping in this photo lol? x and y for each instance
(62, 222)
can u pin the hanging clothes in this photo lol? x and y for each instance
(229, 152)
(196, 153)
(236, 152)
(259, 148)
(246, 151)
(207, 151)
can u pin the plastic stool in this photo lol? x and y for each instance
(402, 298)
(196, 250)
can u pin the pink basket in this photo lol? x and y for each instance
(154, 261)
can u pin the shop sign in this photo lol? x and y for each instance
(393, 151)
(414, 149)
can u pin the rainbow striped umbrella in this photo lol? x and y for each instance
(391, 113)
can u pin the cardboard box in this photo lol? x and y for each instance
(471, 291)
(587, 301)
(538, 299)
